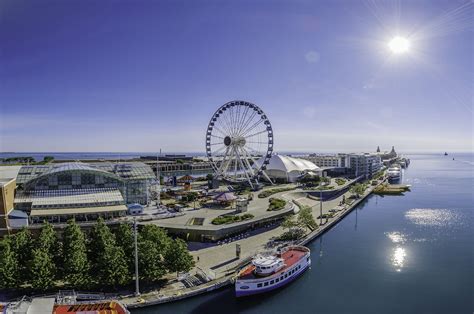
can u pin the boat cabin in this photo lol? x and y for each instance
(267, 265)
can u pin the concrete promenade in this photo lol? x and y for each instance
(221, 259)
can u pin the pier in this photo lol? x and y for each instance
(221, 259)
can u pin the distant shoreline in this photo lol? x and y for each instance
(38, 156)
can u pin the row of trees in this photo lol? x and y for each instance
(296, 227)
(358, 189)
(77, 260)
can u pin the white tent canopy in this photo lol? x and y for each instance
(288, 168)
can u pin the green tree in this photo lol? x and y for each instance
(306, 219)
(48, 241)
(76, 265)
(9, 267)
(110, 265)
(177, 257)
(42, 270)
(22, 245)
(124, 238)
(48, 159)
(150, 261)
(289, 223)
(357, 189)
(156, 235)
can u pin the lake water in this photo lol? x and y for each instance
(394, 254)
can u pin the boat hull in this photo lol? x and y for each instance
(244, 287)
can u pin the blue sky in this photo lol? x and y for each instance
(144, 75)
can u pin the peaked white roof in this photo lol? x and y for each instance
(288, 164)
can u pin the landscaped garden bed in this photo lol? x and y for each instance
(223, 220)
(276, 204)
(269, 192)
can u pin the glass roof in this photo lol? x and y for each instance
(125, 170)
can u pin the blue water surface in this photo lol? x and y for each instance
(394, 254)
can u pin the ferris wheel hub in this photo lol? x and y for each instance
(235, 141)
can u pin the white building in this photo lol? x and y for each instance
(363, 164)
(285, 168)
(325, 161)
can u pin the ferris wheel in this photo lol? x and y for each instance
(239, 142)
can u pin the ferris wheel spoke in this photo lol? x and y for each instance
(242, 119)
(252, 127)
(226, 126)
(255, 151)
(248, 121)
(219, 130)
(226, 118)
(213, 135)
(261, 132)
(232, 119)
(219, 150)
(251, 142)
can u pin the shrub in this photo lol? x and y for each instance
(269, 192)
(292, 234)
(329, 215)
(276, 204)
(340, 181)
(324, 188)
(221, 220)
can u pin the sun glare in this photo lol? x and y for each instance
(399, 45)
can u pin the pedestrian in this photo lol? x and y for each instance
(198, 258)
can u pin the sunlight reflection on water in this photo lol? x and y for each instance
(398, 258)
(396, 237)
(432, 217)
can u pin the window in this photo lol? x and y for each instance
(265, 283)
(259, 285)
(277, 280)
(272, 282)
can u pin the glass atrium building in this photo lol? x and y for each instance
(83, 191)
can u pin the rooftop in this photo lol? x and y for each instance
(50, 198)
(125, 170)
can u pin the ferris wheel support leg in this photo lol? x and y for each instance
(268, 178)
(243, 167)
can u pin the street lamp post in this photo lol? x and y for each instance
(321, 204)
(137, 284)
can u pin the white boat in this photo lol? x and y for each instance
(270, 272)
(394, 173)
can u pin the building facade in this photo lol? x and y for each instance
(324, 161)
(365, 165)
(57, 192)
(355, 165)
(7, 194)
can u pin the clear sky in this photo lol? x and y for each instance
(142, 75)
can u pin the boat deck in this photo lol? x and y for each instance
(102, 308)
(290, 257)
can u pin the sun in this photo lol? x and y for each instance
(399, 45)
